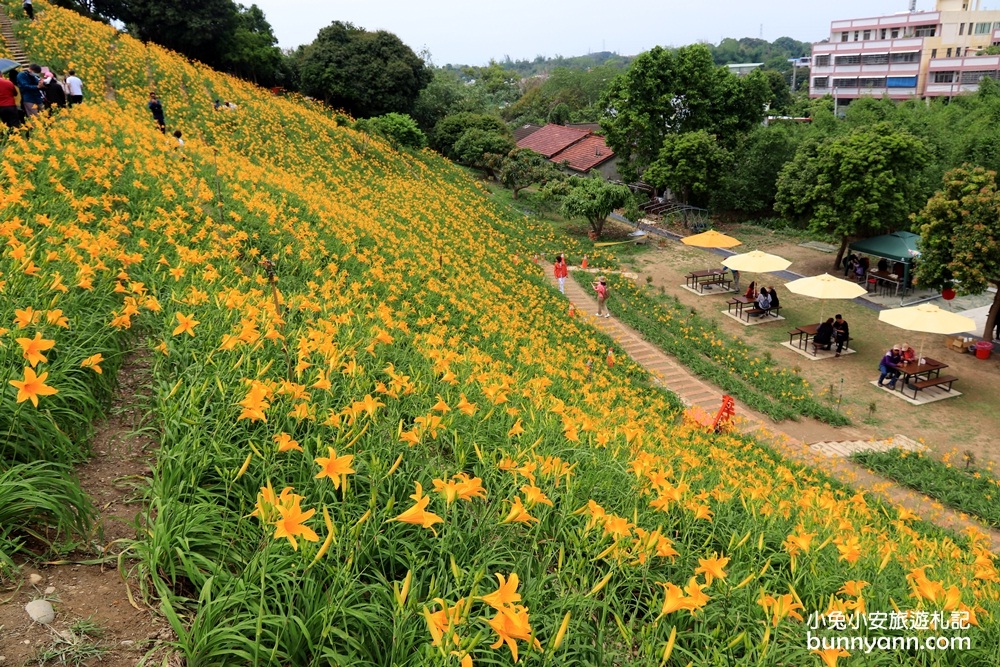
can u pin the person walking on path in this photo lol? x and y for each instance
(31, 95)
(10, 115)
(74, 88)
(601, 287)
(29, 9)
(156, 108)
(561, 272)
(55, 95)
(842, 333)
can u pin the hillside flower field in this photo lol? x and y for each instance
(381, 442)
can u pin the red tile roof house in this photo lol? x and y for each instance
(577, 150)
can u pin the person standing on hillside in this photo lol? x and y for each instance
(31, 95)
(29, 9)
(601, 287)
(561, 271)
(55, 95)
(74, 88)
(156, 108)
(10, 115)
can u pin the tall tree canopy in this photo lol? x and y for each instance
(200, 29)
(668, 92)
(861, 184)
(365, 73)
(594, 199)
(690, 164)
(960, 236)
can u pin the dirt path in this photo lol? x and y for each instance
(93, 614)
(789, 438)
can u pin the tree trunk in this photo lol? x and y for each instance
(994, 314)
(837, 265)
(516, 190)
(597, 224)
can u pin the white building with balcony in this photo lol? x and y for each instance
(909, 55)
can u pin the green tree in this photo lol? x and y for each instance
(667, 92)
(397, 128)
(253, 53)
(960, 237)
(749, 185)
(560, 114)
(690, 164)
(594, 199)
(864, 183)
(521, 168)
(443, 96)
(200, 29)
(450, 128)
(476, 146)
(365, 73)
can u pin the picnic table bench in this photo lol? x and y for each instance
(920, 385)
(806, 333)
(699, 280)
(770, 312)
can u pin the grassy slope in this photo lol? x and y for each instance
(402, 284)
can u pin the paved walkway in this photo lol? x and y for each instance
(831, 445)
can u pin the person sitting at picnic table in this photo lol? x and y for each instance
(883, 264)
(824, 335)
(763, 302)
(774, 297)
(907, 353)
(887, 367)
(849, 263)
(751, 292)
(841, 332)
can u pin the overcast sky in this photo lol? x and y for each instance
(473, 32)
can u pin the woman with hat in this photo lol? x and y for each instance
(601, 287)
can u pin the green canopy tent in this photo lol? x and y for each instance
(898, 247)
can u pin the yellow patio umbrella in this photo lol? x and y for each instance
(825, 286)
(756, 262)
(710, 239)
(927, 318)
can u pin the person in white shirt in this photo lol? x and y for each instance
(74, 88)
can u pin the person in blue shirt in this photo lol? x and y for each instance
(31, 95)
(887, 367)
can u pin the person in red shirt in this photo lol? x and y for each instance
(561, 272)
(9, 113)
(601, 287)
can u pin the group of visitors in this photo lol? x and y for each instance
(834, 331)
(28, 92)
(765, 299)
(897, 356)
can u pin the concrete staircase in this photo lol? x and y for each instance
(845, 448)
(14, 48)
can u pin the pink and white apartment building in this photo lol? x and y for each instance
(908, 55)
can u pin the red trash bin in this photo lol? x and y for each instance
(983, 349)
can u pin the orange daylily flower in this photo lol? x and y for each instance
(93, 363)
(291, 525)
(334, 467)
(32, 348)
(32, 386)
(418, 514)
(187, 323)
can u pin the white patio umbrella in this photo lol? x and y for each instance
(756, 262)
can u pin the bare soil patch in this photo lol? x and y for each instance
(121, 632)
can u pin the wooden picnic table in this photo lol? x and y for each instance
(739, 301)
(924, 375)
(804, 334)
(887, 279)
(699, 280)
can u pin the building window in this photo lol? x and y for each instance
(895, 33)
(944, 77)
(847, 60)
(948, 53)
(871, 82)
(996, 26)
(856, 33)
(821, 82)
(822, 61)
(961, 29)
(882, 34)
(976, 76)
(906, 57)
(933, 53)
(845, 83)
(984, 28)
(875, 59)
(926, 31)
(901, 82)
(866, 35)
(843, 36)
